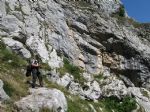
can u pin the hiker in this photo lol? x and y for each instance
(36, 73)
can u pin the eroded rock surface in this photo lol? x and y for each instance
(41, 98)
(142, 97)
(89, 36)
(113, 87)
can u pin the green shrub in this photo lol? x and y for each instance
(74, 70)
(126, 105)
(2, 45)
(14, 85)
(121, 11)
(45, 66)
(78, 105)
(11, 58)
(98, 77)
(8, 89)
(70, 68)
(126, 21)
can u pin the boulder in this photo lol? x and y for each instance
(113, 87)
(53, 76)
(75, 88)
(92, 91)
(17, 46)
(41, 98)
(88, 77)
(55, 61)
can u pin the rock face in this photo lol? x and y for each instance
(114, 87)
(91, 89)
(3, 95)
(142, 97)
(17, 46)
(89, 36)
(41, 98)
(92, 36)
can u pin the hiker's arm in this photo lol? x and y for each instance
(35, 65)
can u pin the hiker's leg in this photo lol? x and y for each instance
(34, 77)
(40, 80)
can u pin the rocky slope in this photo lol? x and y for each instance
(110, 50)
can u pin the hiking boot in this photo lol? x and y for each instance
(33, 86)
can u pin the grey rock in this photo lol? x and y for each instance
(79, 26)
(127, 81)
(17, 46)
(112, 86)
(3, 95)
(53, 76)
(65, 80)
(106, 72)
(52, 99)
(92, 91)
(142, 98)
(88, 77)
(75, 88)
(55, 61)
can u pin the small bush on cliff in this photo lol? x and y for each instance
(8, 88)
(70, 68)
(9, 57)
(121, 11)
(98, 77)
(126, 105)
(74, 70)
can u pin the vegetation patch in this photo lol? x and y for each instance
(126, 105)
(76, 104)
(145, 93)
(10, 58)
(13, 77)
(11, 74)
(45, 66)
(124, 21)
(71, 69)
(98, 77)
(44, 109)
(9, 89)
(121, 11)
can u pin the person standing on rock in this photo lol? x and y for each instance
(36, 73)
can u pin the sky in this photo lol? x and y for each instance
(138, 9)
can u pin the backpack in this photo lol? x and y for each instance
(28, 71)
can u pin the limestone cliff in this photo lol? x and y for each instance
(85, 32)
(95, 35)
